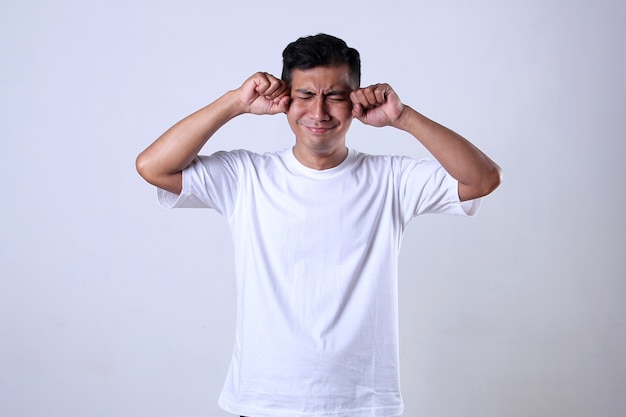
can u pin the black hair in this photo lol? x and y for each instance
(321, 50)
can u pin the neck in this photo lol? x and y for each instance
(321, 161)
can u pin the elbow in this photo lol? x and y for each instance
(494, 179)
(151, 171)
(488, 182)
(146, 168)
(491, 180)
(142, 166)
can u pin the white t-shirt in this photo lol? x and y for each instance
(316, 269)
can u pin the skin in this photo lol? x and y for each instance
(320, 105)
(320, 115)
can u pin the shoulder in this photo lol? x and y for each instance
(241, 156)
(241, 161)
(391, 161)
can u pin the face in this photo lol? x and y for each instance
(320, 112)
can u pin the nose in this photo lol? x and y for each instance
(318, 109)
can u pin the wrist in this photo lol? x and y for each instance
(405, 119)
(232, 104)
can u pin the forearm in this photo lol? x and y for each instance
(476, 173)
(175, 149)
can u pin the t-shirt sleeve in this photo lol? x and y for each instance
(426, 187)
(208, 182)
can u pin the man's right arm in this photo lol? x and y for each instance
(162, 163)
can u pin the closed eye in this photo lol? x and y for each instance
(303, 94)
(332, 96)
(337, 96)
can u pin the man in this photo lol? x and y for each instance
(317, 230)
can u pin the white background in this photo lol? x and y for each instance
(112, 306)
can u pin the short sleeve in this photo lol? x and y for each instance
(208, 182)
(426, 187)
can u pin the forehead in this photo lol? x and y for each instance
(322, 78)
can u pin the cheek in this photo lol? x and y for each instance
(344, 113)
(292, 118)
(295, 112)
(347, 122)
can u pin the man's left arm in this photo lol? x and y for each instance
(477, 175)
